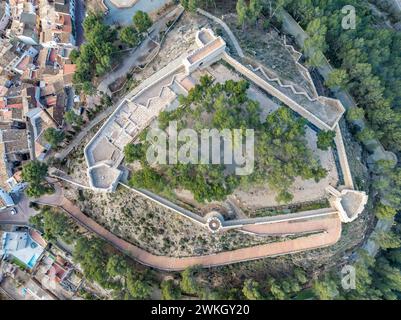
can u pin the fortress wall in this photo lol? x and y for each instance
(276, 93)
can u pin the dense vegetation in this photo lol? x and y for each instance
(54, 225)
(193, 283)
(53, 136)
(96, 56)
(132, 35)
(34, 173)
(368, 66)
(368, 60)
(281, 153)
(99, 261)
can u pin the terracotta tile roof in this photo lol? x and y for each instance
(65, 20)
(18, 176)
(6, 115)
(58, 110)
(204, 51)
(51, 100)
(69, 68)
(37, 238)
(53, 55)
(15, 106)
(24, 63)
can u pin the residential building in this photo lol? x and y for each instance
(25, 247)
(57, 24)
(38, 121)
(25, 22)
(14, 151)
(5, 15)
(6, 201)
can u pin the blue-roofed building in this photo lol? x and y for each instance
(24, 246)
(5, 200)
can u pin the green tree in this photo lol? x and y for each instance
(53, 136)
(276, 290)
(387, 240)
(255, 9)
(242, 12)
(133, 152)
(325, 289)
(284, 197)
(184, 3)
(316, 31)
(366, 134)
(147, 178)
(251, 290)
(355, 114)
(74, 55)
(106, 100)
(35, 172)
(92, 257)
(300, 275)
(142, 21)
(72, 118)
(130, 36)
(169, 290)
(116, 266)
(315, 59)
(325, 139)
(138, 289)
(192, 5)
(274, 6)
(337, 78)
(188, 282)
(95, 55)
(385, 212)
(54, 225)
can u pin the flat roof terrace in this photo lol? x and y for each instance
(105, 150)
(104, 177)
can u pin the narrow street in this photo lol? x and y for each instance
(79, 18)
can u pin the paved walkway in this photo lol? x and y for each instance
(123, 3)
(85, 130)
(328, 228)
(226, 29)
